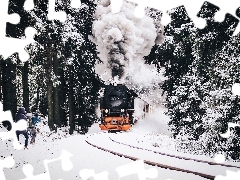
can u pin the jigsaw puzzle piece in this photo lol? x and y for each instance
(66, 162)
(40, 166)
(7, 148)
(6, 163)
(52, 14)
(13, 18)
(13, 45)
(230, 126)
(64, 7)
(66, 165)
(76, 3)
(29, 5)
(64, 173)
(20, 125)
(116, 5)
(227, 7)
(8, 45)
(192, 8)
(21, 6)
(137, 167)
(56, 10)
(5, 17)
(230, 175)
(85, 174)
(237, 31)
(164, 7)
(18, 30)
(219, 158)
(223, 29)
(28, 171)
(236, 89)
(140, 9)
(238, 12)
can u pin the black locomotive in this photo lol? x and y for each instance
(117, 107)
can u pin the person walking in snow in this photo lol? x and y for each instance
(21, 115)
(35, 119)
(34, 134)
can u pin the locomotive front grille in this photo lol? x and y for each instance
(114, 122)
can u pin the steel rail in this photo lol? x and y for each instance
(175, 156)
(211, 177)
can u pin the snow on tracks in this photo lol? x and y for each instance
(199, 168)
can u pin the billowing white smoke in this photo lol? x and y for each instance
(122, 41)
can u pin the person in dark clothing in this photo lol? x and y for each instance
(21, 115)
(35, 119)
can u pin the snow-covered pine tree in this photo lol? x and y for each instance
(9, 86)
(222, 106)
(199, 98)
(49, 38)
(80, 56)
(176, 55)
(37, 79)
(19, 96)
(85, 83)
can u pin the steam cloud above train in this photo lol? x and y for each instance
(122, 41)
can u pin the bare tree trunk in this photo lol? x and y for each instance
(38, 99)
(71, 102)
(25, 86)
(50, 105)
(57, 118)
(1, 64)
(62, 98)
(49, 86)
(8, 86)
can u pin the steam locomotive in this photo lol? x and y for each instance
(117, 108)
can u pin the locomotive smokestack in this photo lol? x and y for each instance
(116, 61)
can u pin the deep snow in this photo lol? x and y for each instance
(150, 133)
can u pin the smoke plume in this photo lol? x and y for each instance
(122, 41)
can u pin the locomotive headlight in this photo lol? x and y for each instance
(106, 110)
(122, 110)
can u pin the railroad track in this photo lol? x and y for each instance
(156, 162)
(179, 157)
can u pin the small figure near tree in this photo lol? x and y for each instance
(33, 129)
(34, 132)
(35, 119)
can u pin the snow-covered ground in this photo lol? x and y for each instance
(80, 159)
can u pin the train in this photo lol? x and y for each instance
(117, 108)
(121, 108)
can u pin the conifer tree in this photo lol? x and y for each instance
(9, 69)
(199, 99)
